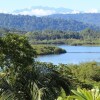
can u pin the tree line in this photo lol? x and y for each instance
(86, 36)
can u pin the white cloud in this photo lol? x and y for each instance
(37, 12)
(3, 11)
(75, 12)
(92, 11)
(70, 12)
(43, 12)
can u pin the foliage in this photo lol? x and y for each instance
(15, 61)
(15, 51)
(22, 78)
(87, 71)
(51, 80)
(7, 95)
(26, 79)
(82, 94)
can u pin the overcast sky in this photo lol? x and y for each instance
(81, 5)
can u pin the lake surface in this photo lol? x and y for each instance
(75, 55)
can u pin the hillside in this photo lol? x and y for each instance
(90, 18)
(31, 23)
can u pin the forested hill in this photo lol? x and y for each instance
(32, 23)
(90, 18)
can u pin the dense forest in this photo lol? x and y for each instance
(22, 78)
(84, 37)
(90, 18)
(32, 23)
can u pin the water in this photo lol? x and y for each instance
(75, 55)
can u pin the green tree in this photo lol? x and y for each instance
(15, 61)
(26, 79)
(16, 51)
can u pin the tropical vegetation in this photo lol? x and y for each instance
(22, 78)
(82, 94)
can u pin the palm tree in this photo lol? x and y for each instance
(7, 95)
(51, 80)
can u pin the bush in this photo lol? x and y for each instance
(59, 50)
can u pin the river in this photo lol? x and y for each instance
(74, 55)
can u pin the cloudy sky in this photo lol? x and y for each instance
(76, 5)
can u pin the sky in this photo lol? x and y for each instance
(81, 5)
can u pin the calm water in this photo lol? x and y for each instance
(75, 55)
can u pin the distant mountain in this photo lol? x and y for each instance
(31, 23)
(43, 11)
(90, 18)
(57, 10)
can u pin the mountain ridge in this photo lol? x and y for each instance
(32, 23)
(89, 18)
